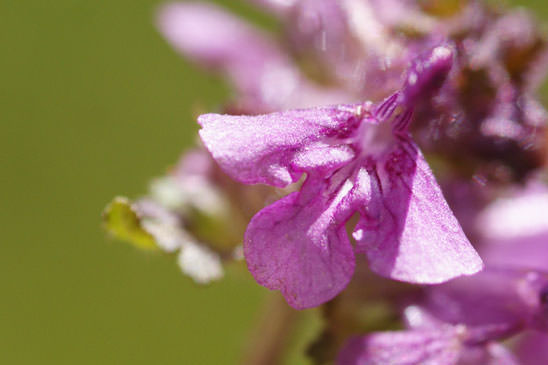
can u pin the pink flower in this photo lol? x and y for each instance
(358, 158)
(459, 322)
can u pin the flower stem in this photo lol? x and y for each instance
(271, 336)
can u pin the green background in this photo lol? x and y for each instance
(93, 103)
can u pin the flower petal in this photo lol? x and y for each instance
(276, 148)
(491, 303)
(277, 6)
(425, 347)
(515, 229)
(211, 36)
(216, 39)
(265, 77)
(299, 245)
(532, 348)
(408, 231)
(490, 354)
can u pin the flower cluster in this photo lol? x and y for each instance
(380, 154)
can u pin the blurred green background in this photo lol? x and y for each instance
(93, 104)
